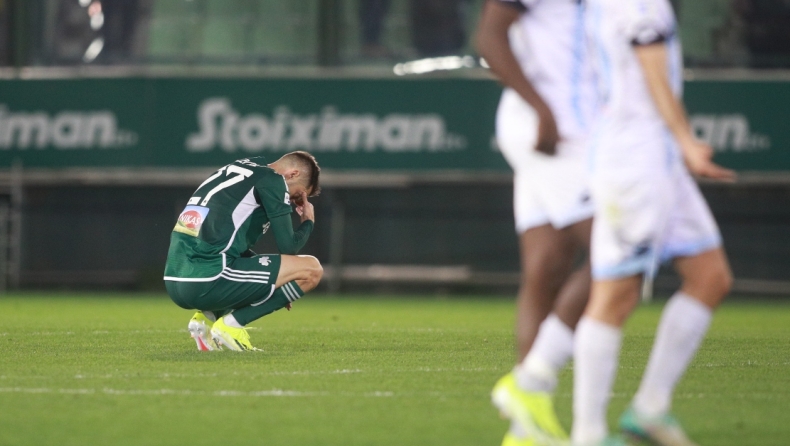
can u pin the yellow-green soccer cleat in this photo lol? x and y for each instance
(534, 411)
(233, 338)
(200, 329)
(660, 431)
(512, 440)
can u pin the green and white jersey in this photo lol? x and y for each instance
(226, 215)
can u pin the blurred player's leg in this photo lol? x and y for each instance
(547, 256)
(544, 344)
(684, 322)
(540, 361)
(596, 351)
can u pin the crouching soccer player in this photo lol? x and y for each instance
(210, 266)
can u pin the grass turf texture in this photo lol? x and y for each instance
(121, 370)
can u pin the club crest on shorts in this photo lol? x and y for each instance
(264, 260)
(190, 220)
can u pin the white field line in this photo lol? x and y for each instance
(186, 392)
(298, 394)
(747, 363)
(302, 329)
(699, 396)
(83, 376)
(71, 333)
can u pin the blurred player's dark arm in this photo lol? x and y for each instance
(493, 45)
(290, 241)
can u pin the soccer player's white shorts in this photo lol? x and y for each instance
(546, 189)
(644, 219)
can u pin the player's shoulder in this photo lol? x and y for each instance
(257, 163)
(265, 176)
(256, 166)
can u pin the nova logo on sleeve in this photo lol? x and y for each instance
(190, 220)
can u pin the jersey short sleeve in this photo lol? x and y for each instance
(521, 5)
(649, 22)
(274, 195)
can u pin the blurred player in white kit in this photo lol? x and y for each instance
(538, 51)
(648, 209)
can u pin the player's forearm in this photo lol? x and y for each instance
(653, 58)
(493, 45)
(288, 240)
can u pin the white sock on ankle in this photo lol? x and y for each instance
(595, 366)
(683, 325)
(552, 349)
(231, 321)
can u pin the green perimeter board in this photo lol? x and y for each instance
(350, 124)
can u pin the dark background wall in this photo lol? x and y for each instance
(118, 236)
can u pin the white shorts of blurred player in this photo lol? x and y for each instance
(546, 189)
(644, 219)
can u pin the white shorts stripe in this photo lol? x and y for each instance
(236, 279)
(242, 276)
(247, 273)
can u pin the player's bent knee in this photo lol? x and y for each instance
(313, 272)
(710, 286)
(717, 280)
(723, 281)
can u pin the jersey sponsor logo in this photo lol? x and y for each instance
(223, 127)
(728, 133)
(191, 220)
(68, 129)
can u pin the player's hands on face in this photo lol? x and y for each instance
(303, 207)
(548, 135)
(698, 157)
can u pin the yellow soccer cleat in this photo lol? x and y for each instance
(200, 329)
(233, 338)
(534, 411)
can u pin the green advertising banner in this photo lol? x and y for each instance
(744, 121)
(349, 124)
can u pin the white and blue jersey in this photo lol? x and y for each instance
(628, 113)
(549, 42)
(647, 207)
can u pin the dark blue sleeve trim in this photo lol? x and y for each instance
(658, 38)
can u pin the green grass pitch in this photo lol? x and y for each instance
(121, 370)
